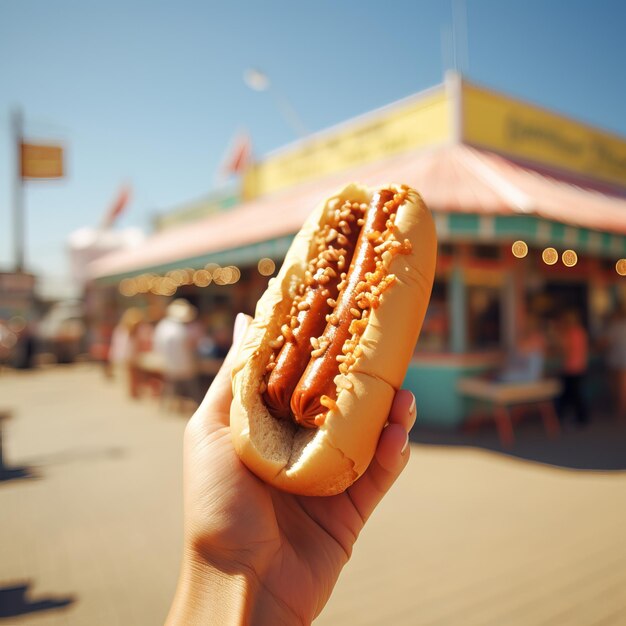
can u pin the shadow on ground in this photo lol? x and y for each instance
(601, 445)
(78, 454)
(16, 473)
(14, 601)
(71, 455)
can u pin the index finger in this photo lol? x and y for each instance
(392, 455)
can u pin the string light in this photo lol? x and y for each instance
(569, 258)
(178, 276)
(128, 287)
(235, 274)
(202, 278)
(519, 249)
(221, 276)
(550, 256)
(168, 284)
(266, 267)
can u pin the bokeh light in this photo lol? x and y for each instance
(221, 275)
(519, 249)
(266, 267)
(569, 258)
(128, 287)
(236, 274)
(202, 278)
(178, 276)
(167, 286)
(550, 256)
(620, 267)
(143, 283)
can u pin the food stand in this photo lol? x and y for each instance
(493, 170)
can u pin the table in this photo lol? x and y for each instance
(505, 398)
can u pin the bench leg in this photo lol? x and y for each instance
(504, 426)
(476, 419)
(550, 419)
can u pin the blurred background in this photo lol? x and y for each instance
(156, 160)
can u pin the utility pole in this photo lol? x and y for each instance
(18, 192)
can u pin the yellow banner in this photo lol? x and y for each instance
(539, 136)
(41, 161)
(405, 126)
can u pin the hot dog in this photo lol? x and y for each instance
(332, 338)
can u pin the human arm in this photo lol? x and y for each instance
(255, 555)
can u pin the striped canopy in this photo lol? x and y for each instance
(473, 194)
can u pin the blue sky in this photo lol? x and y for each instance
(152, 92)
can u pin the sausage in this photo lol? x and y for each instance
(295, 353)
(316, 390)
(311, 308)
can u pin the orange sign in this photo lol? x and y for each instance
(41, 161)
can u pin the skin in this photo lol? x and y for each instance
(256, 555)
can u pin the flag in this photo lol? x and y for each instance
(117, 206)
(238, 156)
(41, 160)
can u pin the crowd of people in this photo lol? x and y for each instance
(174, 344)
(562, 348)
(165, 354)
(183, 338)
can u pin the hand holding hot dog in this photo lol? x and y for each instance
(257, 555)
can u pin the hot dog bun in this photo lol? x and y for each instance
(328, 459)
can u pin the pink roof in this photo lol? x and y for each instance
(451, 179)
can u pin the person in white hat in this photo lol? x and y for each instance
(176, 345)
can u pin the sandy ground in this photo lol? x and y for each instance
(467, 536)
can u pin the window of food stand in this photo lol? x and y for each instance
(479, 313)
(484, 317)
(435, 335)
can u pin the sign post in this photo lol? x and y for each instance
(32, 161)
(18, 193)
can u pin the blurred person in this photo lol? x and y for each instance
(573, 344)
(101, 336)
(216, 339)
(616, 358)
(197, 330)
(7, 341)
(125, 348)
(256, 555)
(145, 335)
(526, 363)
(222, 341)
(25, 345)
(176, 342)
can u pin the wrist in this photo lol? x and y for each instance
(210, 595)
(207, 594)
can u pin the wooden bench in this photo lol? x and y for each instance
(508, 398)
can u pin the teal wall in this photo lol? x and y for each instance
(440, 405)
(434, 386)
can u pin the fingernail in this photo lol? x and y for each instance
(412, 407)
(240, 324)
(406, 444)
